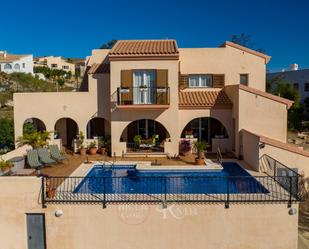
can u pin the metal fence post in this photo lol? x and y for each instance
(275, 169)
(227, 202)
(104, 193)
(43, 192)
(290, 199)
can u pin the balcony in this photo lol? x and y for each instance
(143, 97)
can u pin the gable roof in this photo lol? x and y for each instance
(145, 48)
(204, 99)
(248, 50)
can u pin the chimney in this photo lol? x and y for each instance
(294, 67)
(3, 53)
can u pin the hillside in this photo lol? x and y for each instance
(20, 82)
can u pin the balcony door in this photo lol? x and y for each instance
(144, 87)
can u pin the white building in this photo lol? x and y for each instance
(10, 63)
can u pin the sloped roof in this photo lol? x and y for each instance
(145, 48)
(248, 50)
(204, 99)
(10, 57)
(287, 102)
(97, 68)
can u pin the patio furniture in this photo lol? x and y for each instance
(18, 162)
(33, 159)
(55, 153)
(44, 156)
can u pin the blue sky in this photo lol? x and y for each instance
(73, 28)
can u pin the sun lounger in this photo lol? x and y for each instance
(44, 156)
(212, 165)
(55, 153)
(33, 159)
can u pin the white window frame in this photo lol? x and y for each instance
(199, 81)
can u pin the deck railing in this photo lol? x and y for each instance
(171, 189)
(135, 148)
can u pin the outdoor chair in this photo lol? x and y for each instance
(55, 153)
(33, 159)
(44, 156)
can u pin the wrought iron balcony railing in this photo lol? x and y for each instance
(143, 96)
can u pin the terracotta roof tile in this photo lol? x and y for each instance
(127, 48)
(204, 99)
(97, 68)
(10, 57)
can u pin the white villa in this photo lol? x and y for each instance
(150, 97)
(10, 63)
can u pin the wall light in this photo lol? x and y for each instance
(58, 213)
(292, 211)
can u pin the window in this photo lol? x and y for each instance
(17, 67)
(7, 67)
(244, 79)
(307, 87)
(296, 86)
(24, 65)
(203, 80)
(54, 65)
(65, 67)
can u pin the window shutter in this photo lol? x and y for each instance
(218, 80)
(126, 78)
(162, 78)
(183, 81)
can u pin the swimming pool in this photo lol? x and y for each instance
(126, 179)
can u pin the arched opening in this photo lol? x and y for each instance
(33, 124)
(66, 129)
(17, 67)
(204, 129)
(96, 128)
(7, 66)
(145, 135)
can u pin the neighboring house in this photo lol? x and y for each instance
(152, 88)
(10, 63)
(55, 62)
(298, 78)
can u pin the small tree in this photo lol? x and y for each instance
(109, 44)
(36, 139)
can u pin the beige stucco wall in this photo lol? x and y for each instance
(167, 117)
(52, 106)
(229, 61)
(253, 226)
(252, 154)
(257, 114)
(288, 158)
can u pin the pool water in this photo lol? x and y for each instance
(126, 179)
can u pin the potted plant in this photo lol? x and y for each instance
(185, 147)
(102, 146)
(189, 134)
(92, 148)
(81, 139)
(50, 191)
(5, 166)
(137, 141)
(200, 147)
